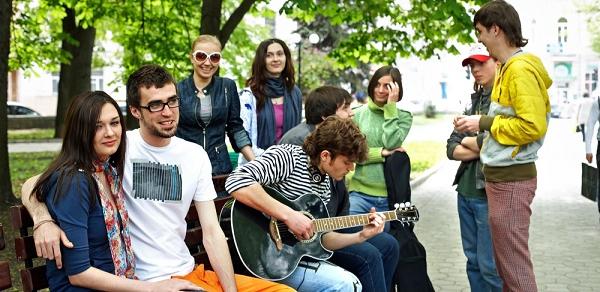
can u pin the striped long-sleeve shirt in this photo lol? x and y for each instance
(284, 168)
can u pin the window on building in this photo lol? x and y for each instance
(562, 30)
(97, 80)
(55, 78)
(591, 78)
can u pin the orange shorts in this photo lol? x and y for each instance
(208, 280)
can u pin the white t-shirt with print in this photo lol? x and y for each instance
(160, 183)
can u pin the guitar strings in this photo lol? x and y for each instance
(286, 233)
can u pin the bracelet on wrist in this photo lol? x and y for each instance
(37, 225)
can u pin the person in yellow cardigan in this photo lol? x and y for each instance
(517, 122)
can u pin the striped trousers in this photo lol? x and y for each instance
(509, 206)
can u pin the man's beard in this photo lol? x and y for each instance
(163, 134)
(156, 131)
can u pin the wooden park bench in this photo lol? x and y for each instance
(33, 277)
(5, 281)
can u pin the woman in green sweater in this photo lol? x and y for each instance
(385, 127)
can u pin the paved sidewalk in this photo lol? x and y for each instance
(50, 145)
(564, 233)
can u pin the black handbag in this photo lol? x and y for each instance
(589, 181)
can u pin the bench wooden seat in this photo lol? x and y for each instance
(5, 280)
(33, 277)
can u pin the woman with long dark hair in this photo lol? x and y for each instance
(271, 103)
(210, 107)
(385, 127)
(82, 189)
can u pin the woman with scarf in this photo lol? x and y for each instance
(272, 103)
(210, 107)
(83, 193)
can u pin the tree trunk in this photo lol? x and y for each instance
(233, 20)
(75, 76)
(211, 19)
(210, 23)
(6, 195)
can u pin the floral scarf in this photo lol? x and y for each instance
(116, 220)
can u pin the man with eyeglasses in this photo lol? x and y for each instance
(160, 182)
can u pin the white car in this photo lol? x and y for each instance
(17, 109)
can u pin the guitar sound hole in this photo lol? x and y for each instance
(288, 238)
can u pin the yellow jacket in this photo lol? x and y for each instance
(517, 120)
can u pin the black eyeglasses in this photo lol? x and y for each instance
(159, 106)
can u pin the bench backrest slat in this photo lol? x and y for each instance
(5, 280)
(34, 279)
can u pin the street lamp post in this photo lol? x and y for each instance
(313, 38)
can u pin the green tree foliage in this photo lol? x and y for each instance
(380, 31)
(36, 36)
(162, 32)
(592, 10)
(322, 69)
(37, 32)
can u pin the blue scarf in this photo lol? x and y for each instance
(265, 117)
(275, 87)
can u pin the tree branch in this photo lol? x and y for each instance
(235, 19)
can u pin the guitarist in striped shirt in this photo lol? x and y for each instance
(328, 153)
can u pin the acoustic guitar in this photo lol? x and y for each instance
(270, 251)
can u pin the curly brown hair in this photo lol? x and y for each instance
(339, 137)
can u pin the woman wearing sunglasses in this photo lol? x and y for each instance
(210, 107)
(272, 103)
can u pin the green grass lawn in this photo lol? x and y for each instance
(422, 120)
(30, 135)
(26, 165)
(424, 155)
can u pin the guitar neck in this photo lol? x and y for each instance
(335, 223)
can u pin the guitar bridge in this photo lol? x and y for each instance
(275, 235)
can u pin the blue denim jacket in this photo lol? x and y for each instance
(225, 119)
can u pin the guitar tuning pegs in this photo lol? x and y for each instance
(402, 205)
(396, 206)
(407, 204)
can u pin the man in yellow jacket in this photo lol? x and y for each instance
(516, 122)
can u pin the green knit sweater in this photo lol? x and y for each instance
(385, 127)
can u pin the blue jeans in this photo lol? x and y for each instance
(321, 276)
(361, 203)
(373, 262)
(477, 244)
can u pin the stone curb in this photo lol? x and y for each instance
(31, 141)
(426, 174)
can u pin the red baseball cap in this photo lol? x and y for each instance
(476, 57)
